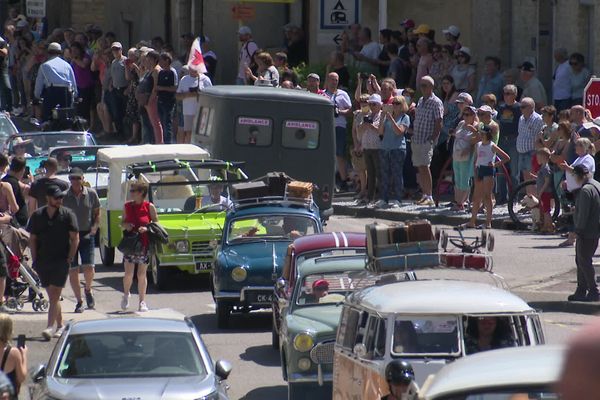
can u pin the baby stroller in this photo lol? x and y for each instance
(20, 276)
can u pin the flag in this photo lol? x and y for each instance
(195, 59)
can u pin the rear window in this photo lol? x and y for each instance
(300, 134)
(251, 131)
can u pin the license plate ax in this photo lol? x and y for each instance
(203, 266)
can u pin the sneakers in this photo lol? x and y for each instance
(394, 204)
(381, 204)
(79, 307)
(47, 333)
(592, 296)
(427, 202)
(579, 295)
(125, 302)
(58, 332)
(89, 299)
(143, 306)
(4, 309)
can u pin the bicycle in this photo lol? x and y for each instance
(522, 217)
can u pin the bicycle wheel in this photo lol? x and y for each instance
(521, 215)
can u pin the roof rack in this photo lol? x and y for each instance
(166, 165)
(427, 260)
(283, 201)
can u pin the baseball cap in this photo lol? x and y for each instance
(422, 29)
(117, 45)
(76, 172)
(54, 47)
(54, 191)
(408, 23)
(314, 76)
(374, 98)
(452, 30)
(244, 30)
(527, 66)
(473, 109)
(464, 98)
(320, 283)
(485, 108)
(465, 50)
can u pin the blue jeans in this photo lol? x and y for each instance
(147, 130)
(165, 114)
(391, 168)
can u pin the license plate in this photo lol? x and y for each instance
(259, 297)
(203, 266)
(264, 298)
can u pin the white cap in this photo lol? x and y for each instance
(464, 98)
(118, 45)
(452, 30)
(374, 98)
(465, 50)
(244, 30)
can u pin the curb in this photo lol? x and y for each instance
(571, 307)
(365, 212)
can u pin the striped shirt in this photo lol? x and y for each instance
(528, 131)
(428, 111)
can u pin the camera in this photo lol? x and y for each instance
(364, 76)
(336, 111)
(368, 119)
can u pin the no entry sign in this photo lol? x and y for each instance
(591, 97)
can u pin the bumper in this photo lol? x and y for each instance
(189, 263)
(249, 295)
(309, 378)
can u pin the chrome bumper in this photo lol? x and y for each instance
(241, 295)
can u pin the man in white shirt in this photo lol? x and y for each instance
(249, 47)
(343, 107)
(369, 53)
(215, 196)
(187, 92)
(561, 83)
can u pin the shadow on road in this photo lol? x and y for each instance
(262, 355)
(178, 283)
(271, 393)
(238, 323)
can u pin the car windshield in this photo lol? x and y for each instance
(518, 394)
(270, 227)
(426, 336)
(130, 355)
(328, 288)
(39, 144)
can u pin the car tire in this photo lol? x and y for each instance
(107, 255)
(160, 275)
(274, 335)
(222, 310)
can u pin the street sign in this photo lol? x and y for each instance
(339, 14)
(591, 97)
(35, 8)
(244, 12)
(329, 38)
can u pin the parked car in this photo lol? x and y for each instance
(131, 358)
(310, 317)
(179, 177)
(429, 323)
(514, 373)
(253, 249)
(273, 130)
(302, 249)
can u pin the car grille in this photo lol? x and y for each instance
(202, 248)
(322, 353)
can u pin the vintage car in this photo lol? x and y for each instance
(39, 144)
(428, 323)
(309, 320)
(252, 252)
(304, 248)
(513, 373)
(7, 127)
(179, 177)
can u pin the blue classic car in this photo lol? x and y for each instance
(253, 249)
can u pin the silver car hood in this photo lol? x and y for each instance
(180, 388)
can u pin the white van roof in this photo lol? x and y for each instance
(438, 297)
(127, 155)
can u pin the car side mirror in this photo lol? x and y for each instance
(223, 369)
(280, 284)
(38, 373)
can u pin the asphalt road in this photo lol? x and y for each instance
(526, 261)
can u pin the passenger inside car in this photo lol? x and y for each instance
(487, 333)
(405, 338)
(320, 289)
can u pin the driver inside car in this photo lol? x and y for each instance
(214, 197)
(320, 289)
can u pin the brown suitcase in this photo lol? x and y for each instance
(299, 190)
(377, 235)
(398, 233)
(249, 190)
(420, 230)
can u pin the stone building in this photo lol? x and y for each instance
(514, 30)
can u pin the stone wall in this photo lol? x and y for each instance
(85, 12)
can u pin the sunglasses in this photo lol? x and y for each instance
(468, 114)
(75, 178)
(134, 190)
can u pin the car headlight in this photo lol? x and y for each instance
(182, 246)
(239, 274)
(304, 364)
(303, 342)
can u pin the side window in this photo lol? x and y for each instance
(375, 337)
(251, 131)
(203, 121)
(300, 134)
(348, 328)
(361, 330)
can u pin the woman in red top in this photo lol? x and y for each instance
(137, 214)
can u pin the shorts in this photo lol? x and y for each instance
(463, 171)
(53, 275)
(525, 160)
(422, 153)
(188, 122)
(85, 250)
(358, 162)
(483, 171)
(546, 203)
(340, 141)
(137, 258)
